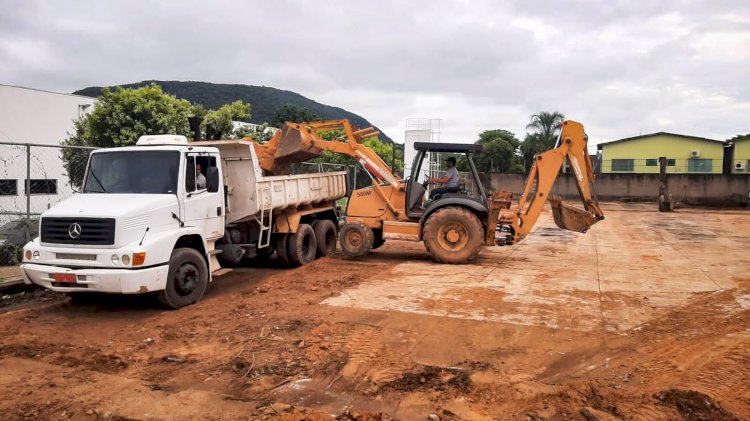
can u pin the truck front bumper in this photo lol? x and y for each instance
(120, 281)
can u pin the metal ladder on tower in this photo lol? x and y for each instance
(266, 214)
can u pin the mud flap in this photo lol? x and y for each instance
(570, 218)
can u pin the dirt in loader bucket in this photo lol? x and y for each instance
(571, 218)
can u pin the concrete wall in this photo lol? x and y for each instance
(691, 189)
(677, 148)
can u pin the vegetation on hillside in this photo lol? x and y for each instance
(266, 101)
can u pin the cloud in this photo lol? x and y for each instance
(618, 68)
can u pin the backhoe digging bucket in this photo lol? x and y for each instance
(569, 218)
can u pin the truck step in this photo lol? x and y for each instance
(215, 252)
(222, 271)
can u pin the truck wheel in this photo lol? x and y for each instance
(356, 239)
(281, 248)
(187, 279)
(325, 234)
(301, 246)
(378, 238)
(453, 235)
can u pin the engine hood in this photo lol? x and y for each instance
(133, 213)
(118, 206)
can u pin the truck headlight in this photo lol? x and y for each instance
(115, 259)
(27, 254)
(125, 259)
(36, 255)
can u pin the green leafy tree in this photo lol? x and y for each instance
(119, 118)
(499, 155)
(294, 114)
(544, 129)
(218, 124)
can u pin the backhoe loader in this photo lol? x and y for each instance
(453, 226)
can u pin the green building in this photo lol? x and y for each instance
(640, 154)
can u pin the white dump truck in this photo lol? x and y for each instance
(165, 214)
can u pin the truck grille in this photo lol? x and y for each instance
(89, 231)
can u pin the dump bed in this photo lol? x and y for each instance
(249, 192)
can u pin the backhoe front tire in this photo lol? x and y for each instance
(453, 235)
(302, 246)
(187, 278)
(356, 239)
(326, 236)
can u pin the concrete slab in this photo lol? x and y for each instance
(627, 269)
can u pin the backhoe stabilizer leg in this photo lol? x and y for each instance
(571, 218)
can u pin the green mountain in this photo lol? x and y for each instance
(263, 99)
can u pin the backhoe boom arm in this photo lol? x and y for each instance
(572, 146)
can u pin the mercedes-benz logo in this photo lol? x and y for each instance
(74, 230)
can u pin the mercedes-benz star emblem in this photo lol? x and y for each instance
(74, 230)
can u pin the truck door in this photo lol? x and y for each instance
(203, 209)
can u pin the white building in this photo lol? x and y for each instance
(33, 116)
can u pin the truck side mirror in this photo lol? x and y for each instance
(212, 179)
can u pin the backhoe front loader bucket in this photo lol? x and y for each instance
(571, 218)
(295, 146)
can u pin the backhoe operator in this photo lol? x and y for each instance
(450, 180)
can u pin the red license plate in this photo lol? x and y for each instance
(65, 277)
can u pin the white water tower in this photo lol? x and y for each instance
(419, 130)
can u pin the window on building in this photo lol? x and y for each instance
(8, 187)
(622, 165)
(699, 165)
(42, 186)
(655, 162)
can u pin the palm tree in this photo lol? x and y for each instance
(548, 125)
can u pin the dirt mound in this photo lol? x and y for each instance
(431, 377)
(694, 405)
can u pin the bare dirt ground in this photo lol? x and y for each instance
(645, 317)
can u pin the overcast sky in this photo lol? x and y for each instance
(620, 67)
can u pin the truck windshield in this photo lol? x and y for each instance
(150, 172)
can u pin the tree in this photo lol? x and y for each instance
(294, 114)
(119, 118)
(544, 129)
(499, 155)
(218, 124)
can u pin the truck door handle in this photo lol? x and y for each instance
(218, 211)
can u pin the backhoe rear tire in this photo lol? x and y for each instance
(453, 235)
(301, 246)
(325, 234)
(356, 239)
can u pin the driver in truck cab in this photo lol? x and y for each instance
(200, 179)
(449, 181)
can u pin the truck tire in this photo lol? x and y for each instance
(453, 235)
(378, 238)
(187, 279)
(281, 248)
(301, 246)
(356, 239)
(325, 234)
